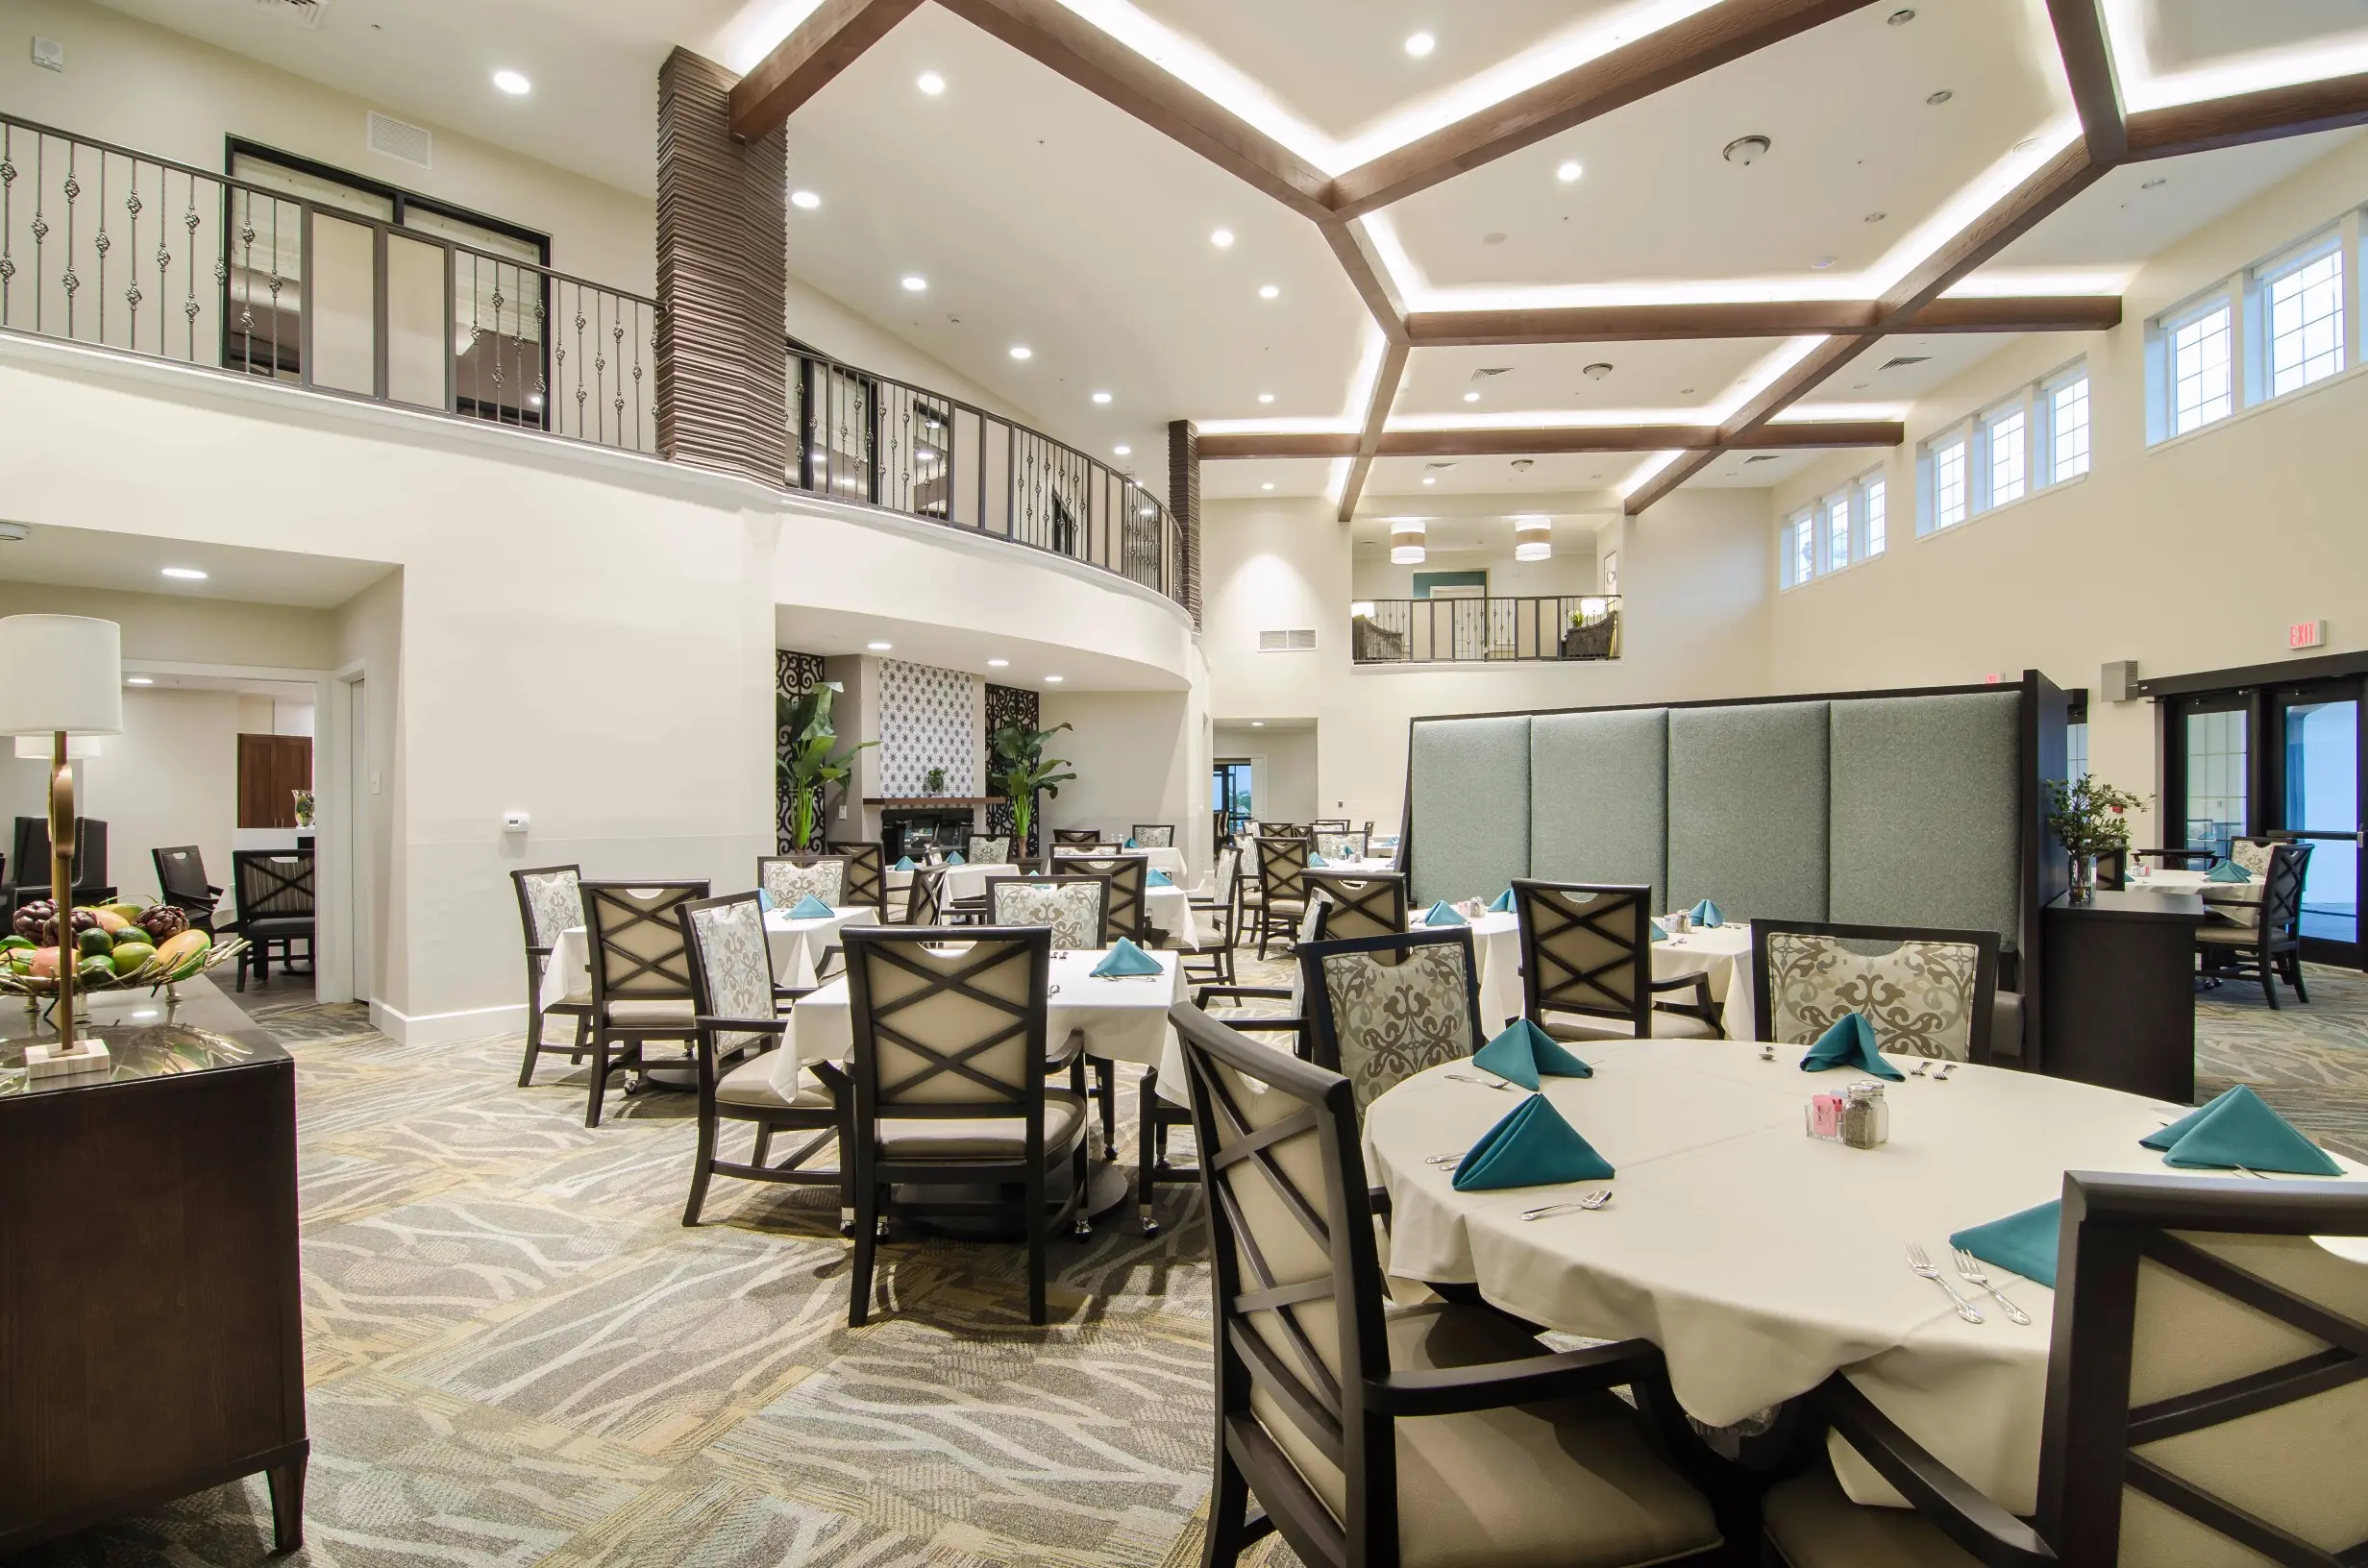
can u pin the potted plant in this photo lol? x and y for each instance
(934, 782)
(2090, 817)
(806, 762)
(1020, 770)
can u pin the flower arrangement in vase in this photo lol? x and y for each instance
(2090, 817)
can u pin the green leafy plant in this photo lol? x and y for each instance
(2090, 817)
(1022, 770)
(934, 782)
(806, 762)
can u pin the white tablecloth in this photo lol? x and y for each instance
(1761, 1260)
(1724, 953)
(797, 947)
(963, 881)
(2195, 882)
(1497, 948)
(1172, 911)
(1125, 1020)
(1170, 861)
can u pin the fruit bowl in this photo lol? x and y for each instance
(111, 947)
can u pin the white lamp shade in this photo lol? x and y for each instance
(1406, 542)
(1533, 538)
(60, 671)
(37, 747)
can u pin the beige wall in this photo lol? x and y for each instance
(1138, 757)
(1282, 770)
(180, 628)
(1566, 571)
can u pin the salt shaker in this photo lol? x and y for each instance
(1866, 1116)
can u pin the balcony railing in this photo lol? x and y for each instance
(865, 437)
(108, 247)
(1570, 626)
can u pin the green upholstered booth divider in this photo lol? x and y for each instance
(1747, 809)
(1925, 813)
(1468, 805)
(1598, 795)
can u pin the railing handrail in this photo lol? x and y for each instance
(418, 236)
(1611, 600)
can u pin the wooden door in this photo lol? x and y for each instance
(271, 769)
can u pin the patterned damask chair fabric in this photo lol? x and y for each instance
(1339, 845)
(986, 851)
(2252, 854)
(787, 883)
(556, 903)
(1074, 910)
(1389, 1021)
(1153, 836)
(737, 967)
(1921, 995)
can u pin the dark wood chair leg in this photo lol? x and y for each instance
(1146, 1149)
(703, 1168)
(2269, 976)
(2294, 974)
(1106, 1093)
(859, 1267)
(1036, 1248)
(534, 1041)
(764, 1144)
(288, 1505)
(599, 1079)
(1229, 1511)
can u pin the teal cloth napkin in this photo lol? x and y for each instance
(955, 859)
(1849, 1043)
(1503, 904)
(1707, 914)
(1157, 878)
(1317, 860)
(904, 862)
(1126, 959)
(1131, 845)
(810, 908)
(1523, 1052)
(2186, 1124)
(1443, 913)
(2228, 871)
(2024, 1242)
(764, 901)
(2240, 1128)
(1532, 1146)
(1658, 935)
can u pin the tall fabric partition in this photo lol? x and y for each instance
(1926, 812)
(1598, 793)
(1748, 790)
(1467, 806)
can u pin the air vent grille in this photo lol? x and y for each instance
(1295, 640)
(398, 138)
(1760, 458)
(1902, 361)
(303, 12)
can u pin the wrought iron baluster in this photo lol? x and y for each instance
(495, 356)
(102, 244)
(637, 335)
(40, 227)
(7, 218)
(616, 333)
(600, 365)
(72, 284)
(275, 289)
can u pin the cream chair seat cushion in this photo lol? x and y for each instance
(2228, 936)
(574, 998)
(654, 1014)
(1667, 1026)
(1002, 1138)
(1816, 1526)
(750, 1083)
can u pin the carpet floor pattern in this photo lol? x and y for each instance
(518, 1356)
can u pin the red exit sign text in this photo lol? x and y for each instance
(2306, 634)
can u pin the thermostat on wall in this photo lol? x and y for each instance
(513, 821)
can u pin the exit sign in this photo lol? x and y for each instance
(2307, 634)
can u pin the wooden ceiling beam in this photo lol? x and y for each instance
(1534, 441)
(801, 65)
(1376, 416)
(1661, 58)
(2088, 65)
(2299, 111)
(1754, 318)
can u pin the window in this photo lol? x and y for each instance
(1835, 509)
(1800, 556)
(2064, 400)
(1871, 488)
(2201, 390)
(2003, 442)
(2305, 309)
(1832, 533)
(1945, 483)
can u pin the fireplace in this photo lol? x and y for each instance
(912, 830)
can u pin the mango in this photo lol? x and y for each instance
(45, 963)
(131, 955)
(108, 921)
(130, 911)
(180, 956)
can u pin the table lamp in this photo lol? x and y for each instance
(64, 678)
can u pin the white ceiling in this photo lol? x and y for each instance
(824, 631)
(1574, 534)
(69, 557)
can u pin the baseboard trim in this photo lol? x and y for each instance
(447, 1028)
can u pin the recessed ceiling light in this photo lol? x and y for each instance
(1102, 397)
(513, 84)
(187, 573)
(1257, 723)
(1430, 478)
(1568, 172)
(930, 82)
(1824, 262)
(1266, 397)
(804, 200)
(1420, 44)
(914, 282)
(1269, 292)
(1902, 16)
(1269, 485)
(998, 664)
(1746, 150)
(1941, 97)
(1052, 680)
(139, 680)
(1222, 239)
(1472, 397)
(2156, 183)
(879, 648)
(1020, 351)
(1875, 217)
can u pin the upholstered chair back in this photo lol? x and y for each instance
(731, 963)
(867, 873)
(1077, 908)
(1284, 830)
(1926, 993)
(636, 940)
(2281, 888)
(1585, 948)
(1128, 914)
(271, 883)
(1386, 1008)
(1076, 837)
(1359, 904)
(982, 849)
(549, 903)
(1153, 835)
(925, 896)
(947, 1027)
(1339, 844)
(1282, 867)
(180, 877)
(788, 878)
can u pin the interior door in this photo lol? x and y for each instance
(2208, 774)
(2314, 794)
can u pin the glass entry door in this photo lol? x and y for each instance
(2315, 795)
(2209, 775)
(1229, 795)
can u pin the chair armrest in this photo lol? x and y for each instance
(1201, 997)
(1495, 1385)
(1956, 1508)
(753, 1026)
(1070, 1047)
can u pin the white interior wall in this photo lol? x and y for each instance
(1565, 571)
(1282, 770)
(170, 777)
(1138, 757)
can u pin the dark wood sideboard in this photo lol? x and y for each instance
(2118, 1003)
(151, 1331)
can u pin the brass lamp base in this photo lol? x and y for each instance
(62, 896)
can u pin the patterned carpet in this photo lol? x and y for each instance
(518, 1356)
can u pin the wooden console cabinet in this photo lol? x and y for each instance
(2118, 1005)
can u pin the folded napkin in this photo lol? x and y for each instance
(1532, 1146)
(1131, 845)
(904, 862)
(955, 858)
(1317, 860)
(2240, 1128)
(1658, 935)
(1503, 904)
(1523, 1052)
(2024, 1242)
(1443, 913)
(1157, 878)
(764, 901)
(2228, 871)
(1707, 914)
(810, 908)
(1849, 1043)
(1126, 959)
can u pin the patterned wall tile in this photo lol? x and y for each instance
(926, 719)
(1008, 705)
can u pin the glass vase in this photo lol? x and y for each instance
(2084, 878)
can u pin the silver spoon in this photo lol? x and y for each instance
(1485, 1083)
(1591, 1202)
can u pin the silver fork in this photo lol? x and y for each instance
(1969, 1270)
(1485, 1083)
(1591, 1203)
(1922, 1264)
(1445, 1159)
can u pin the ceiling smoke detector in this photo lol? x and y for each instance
(1597, 370)
(1902, 16)
(1941, 97)
(1520, 465)
(1760, 458)
(1746, 150)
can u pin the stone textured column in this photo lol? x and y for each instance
(722, 268)
(1184, 505)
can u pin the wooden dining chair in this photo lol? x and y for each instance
(1927, 992)
(925, 896)
(181, 882)
(641, 976)
(1131, 912)
(1382, 1008)
(949, 1073)
(1368, 1434)
(1075, 909)
(1282, 885)
(1152, 835)
(1355, 903)
(1586, 966)
(2267, 944)
(1076, 837)
(987, 848)
(549, 904)
(867, 873)
(1216, 917)
(806, 875)
(2203, 1405)
(273, 894)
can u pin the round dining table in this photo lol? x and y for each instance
(1760, 1260)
